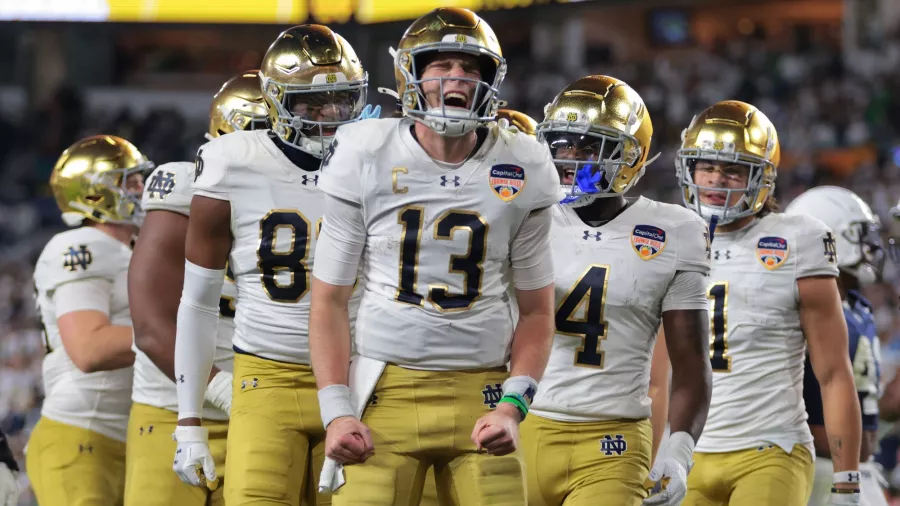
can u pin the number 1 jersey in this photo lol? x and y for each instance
(612, 284)
(436, 266)
(757, 347)
(276, 216)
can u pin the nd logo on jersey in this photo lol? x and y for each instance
(648, 241)
(772, 252)
(507, 181)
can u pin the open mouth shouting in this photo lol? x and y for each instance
(456, 100)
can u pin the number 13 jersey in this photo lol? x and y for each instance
(436, 263)
(612, 285)
(276, 216)
(757, 347)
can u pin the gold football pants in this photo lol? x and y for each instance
(275, 436)
(420, 419)
(578, 462)
(149, 478)
(71, 466)
(764, 476)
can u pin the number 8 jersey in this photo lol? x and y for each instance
(757, 347)
(613, 283)
(276, 216)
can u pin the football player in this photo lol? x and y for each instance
(154, 286)
(622, 267)
(860, 261)
(257, 206)
(9, 473)
(76, 454)
(445, 211)
(772, 291)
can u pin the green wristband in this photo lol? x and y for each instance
(518, 401)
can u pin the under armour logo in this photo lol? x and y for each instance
(445, 180)
(492, 394)
(830, 249)
(181, 378)
(161, 185)
(306, 180)
(373, 400)
(85, 449)
(727, 255)
(608, 445)
(588, 235)
(149, 430)
(253, 383)
(75, 258)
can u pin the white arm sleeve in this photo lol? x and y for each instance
(529, 254)
(90, 294)
(687, 290)
(341, 243)
(195, 336)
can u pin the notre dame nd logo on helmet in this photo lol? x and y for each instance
(572, 116)
(461, 38)
(76, 258)
(161, 185)
(331, 78)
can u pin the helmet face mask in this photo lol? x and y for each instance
(865, 238)
(442, 34)
(308, 115)
(313, 83)
(692, 195)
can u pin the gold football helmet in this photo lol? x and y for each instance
(735, 133)
(523, 122)
(454, 30)
(238, 105)
(313, 82)
(598, 131)
(90, 181)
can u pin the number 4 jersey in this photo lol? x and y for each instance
(757, 346)
(436, 264)
(612, 286)
(276, 216)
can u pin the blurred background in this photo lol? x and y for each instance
(827, 72)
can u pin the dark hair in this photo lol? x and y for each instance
(770, 206)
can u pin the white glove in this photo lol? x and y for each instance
(844, 499)
(193, 462)
(668, 478)
(9, 487)
(219, 391)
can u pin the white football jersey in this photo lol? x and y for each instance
(757, 347)
(97, 401)
(169, 189)
(610, 285)
(436, 266)
(276, 216)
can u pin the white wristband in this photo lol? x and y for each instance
(681, 448)
(334, 402)
(846, 477)
(526, 386)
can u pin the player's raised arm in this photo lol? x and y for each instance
(207, 246)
